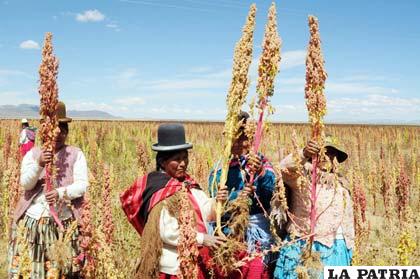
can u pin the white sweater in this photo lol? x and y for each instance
(23, 137)
(169, 232)
(31, 172)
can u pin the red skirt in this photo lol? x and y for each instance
(255, 269)
(203, 266)
(167, 276)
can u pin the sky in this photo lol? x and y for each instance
(171, 59)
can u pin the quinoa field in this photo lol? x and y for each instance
(383, 169)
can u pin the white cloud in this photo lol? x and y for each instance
(89, 105)
(130, 79)
(291, 80)
(113, 26)
(356, 88)
(122, 107)
(338, 86)
(375, 107)
(205, 78)
(186, 84)
(127, 79)
(200, 70)
(363, 77)
(293, 58)
(11, 76)
(8, 72)
(17, 97)
(29, 44)
(130, 101)
(90, 16)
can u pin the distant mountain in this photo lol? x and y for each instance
(32, 111)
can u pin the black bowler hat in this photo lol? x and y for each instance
(171, 137)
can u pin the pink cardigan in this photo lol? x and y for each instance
(334, 204)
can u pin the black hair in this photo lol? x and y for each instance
(243, 117)
(64, 126)
(26, 124)
(162, 156)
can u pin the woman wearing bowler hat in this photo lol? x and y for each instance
(152, 206)
(32, 212)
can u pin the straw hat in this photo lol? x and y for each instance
(61, 113)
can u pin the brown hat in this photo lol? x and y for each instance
(61, 113)
(332, 142)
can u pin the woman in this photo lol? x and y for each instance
(32, 213)
(258, 234)
(334, 231)
(27, 137)
(153, 203)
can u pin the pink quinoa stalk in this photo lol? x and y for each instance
(316, 105)
(267, 70)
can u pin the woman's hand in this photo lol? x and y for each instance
(312, 148)
(45, 158)
(51, 197)
(248, 190)
(254, 163)
(213, 241)
(222, 194)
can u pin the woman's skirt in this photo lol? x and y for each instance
(204, 267)
(258, 238)
(34, 249)
(289, 257)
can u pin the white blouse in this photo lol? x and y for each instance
(30, 174)
(169, 232)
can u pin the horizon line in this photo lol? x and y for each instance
(121, 119)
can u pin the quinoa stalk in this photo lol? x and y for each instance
(267, 70)
(316, 105)
(49, 130)
(236, 97)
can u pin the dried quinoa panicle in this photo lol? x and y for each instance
(49, 130)
(315, 82)
(236, 97)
